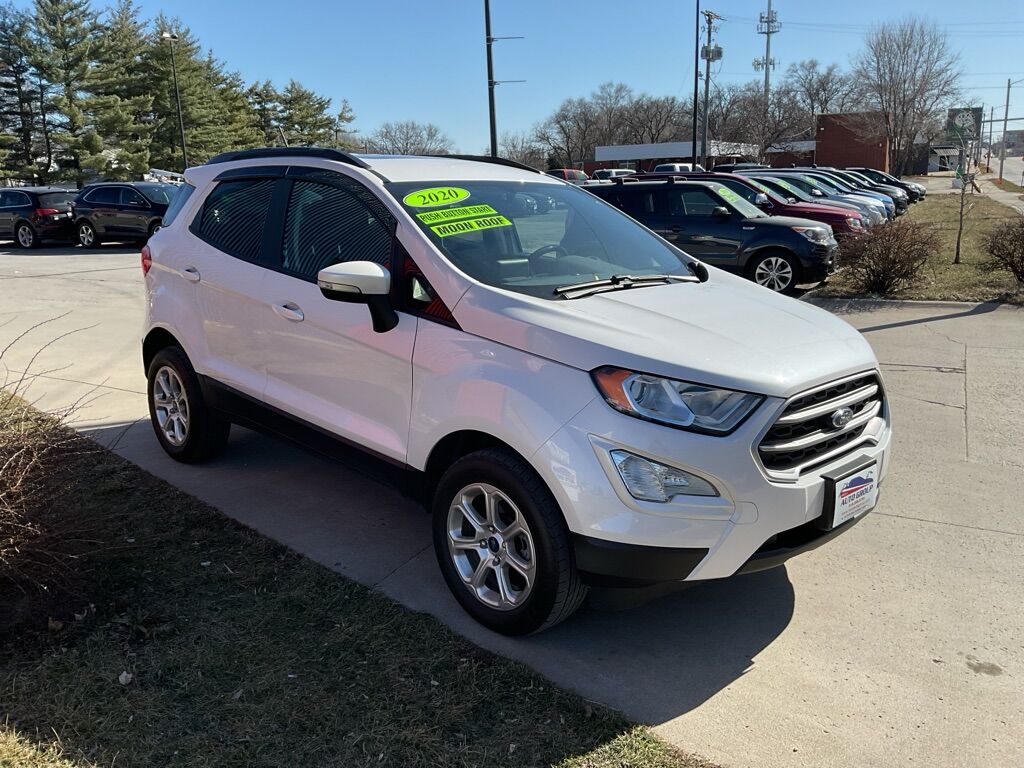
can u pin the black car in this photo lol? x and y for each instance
(713, 223)
(30, 215)
(915, 192)
(122, 211)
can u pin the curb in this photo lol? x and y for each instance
(905, 303)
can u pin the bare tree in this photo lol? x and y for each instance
(570, 134)
(819, 91)
(611, 103)
(766, 125)
(409, 138)
(650, 120)
(908, 72)
(521, 148)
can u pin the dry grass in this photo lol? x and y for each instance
(191, 641)
(973, 279)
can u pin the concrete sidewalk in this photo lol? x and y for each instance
(899, 643)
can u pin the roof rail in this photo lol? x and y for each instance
(267, 152)
(493, 160)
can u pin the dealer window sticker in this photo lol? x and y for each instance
(470, 225)
(451, 214)
(432, 197)
(728, 194)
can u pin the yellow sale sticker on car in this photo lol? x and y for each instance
(470, 225)
(435, 196)
(450, 214)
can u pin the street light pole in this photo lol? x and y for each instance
(171, 37)
(696, 79)
(1006, 115)
(491, 82)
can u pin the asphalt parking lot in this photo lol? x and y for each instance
(902, 642)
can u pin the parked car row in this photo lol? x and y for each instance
(105, 211)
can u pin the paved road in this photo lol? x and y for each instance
(900, 643)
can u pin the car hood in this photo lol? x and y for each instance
(726, 332)
(812, 209)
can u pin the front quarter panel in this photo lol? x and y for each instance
(463, 382)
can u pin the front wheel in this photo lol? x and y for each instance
(776, 271)
(188, 430)
(502, 544)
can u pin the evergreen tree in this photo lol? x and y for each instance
(305, 116)
(66, 32)
(18, 93)
(265, 103)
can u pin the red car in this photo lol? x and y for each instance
(842, 220)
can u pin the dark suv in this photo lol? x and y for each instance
(29, 215)
(710, 221)
(122, 211)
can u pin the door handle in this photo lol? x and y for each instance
(290, 312)
(191, 274)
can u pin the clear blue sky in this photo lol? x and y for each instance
(424, 59)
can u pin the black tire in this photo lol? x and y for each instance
(86, 234)
(152, 230)
(207, 431)
(25, 236)
(772, 259)
(557, 590)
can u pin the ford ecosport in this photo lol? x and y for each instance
(583, 402)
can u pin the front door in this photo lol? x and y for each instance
(691, 223)
(134, 213)
(325, 363)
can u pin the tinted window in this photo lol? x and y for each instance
(178, 200)
(130, 197)
(326, 225)
(233, 216)
(158, 193)
(691, 201)
(11, 199)
(638, 203)
(59, 200)
(104, 196)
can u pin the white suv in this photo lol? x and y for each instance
(584, 403)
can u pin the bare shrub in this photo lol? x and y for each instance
(1005, 244)
(888, 257)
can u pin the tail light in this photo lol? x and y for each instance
(147, 260)
(40, 212)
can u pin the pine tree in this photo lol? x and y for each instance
(18, 94)
(305, 116)
(66, 34)
(121, 106)
(265, 103)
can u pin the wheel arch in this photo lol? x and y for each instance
(157, 339)
(453, 447)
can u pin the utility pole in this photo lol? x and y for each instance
(988, 159)
(172, 37)
(696, 80)
(768, 26)
(491, 82)
(709, 53)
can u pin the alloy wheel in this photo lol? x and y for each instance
(491, 546)
(171, 405)
(774, 273)
(26, 237)
(86, 235)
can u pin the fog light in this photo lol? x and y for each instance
(650, 481)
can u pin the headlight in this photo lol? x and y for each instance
(815, 234)
(652, 481)
(855, 223)
(675, 403)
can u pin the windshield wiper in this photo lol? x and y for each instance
(619, 282)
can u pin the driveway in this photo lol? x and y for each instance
(902, 642)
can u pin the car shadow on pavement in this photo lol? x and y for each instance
(51, 249)
(653, 662)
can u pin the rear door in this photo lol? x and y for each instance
(693, 226)
(325, 363)
(134, 214)
(103, 203)
(7, 210)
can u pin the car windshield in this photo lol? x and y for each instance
(158, 193)
(747, 210)
(821, 186)
(771, 193)
(532, 237)
(791, 189)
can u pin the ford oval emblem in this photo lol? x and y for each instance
(842, 417)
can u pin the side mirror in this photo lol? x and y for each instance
(762, 201)
(721, 211)
(361, 282)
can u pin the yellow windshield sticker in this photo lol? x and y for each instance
(728, 194)
(471, 225)
(450, 214)
(435, 196)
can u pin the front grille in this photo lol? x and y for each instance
(804, 434)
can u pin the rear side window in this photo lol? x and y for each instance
(14, 199)
(178, 200)
(638, 203)
(326, 225)
(233, 216)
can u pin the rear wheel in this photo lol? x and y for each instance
(87, 237)
(502, 544)
(776, 271)
(26, 236)
(187, 429)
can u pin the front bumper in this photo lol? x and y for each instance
(820, 262)
(755, 523)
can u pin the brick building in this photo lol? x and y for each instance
(852, 138)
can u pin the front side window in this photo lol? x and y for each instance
(327, 225)
(233, 216)
(161, 194)
(131, 197)
(569, 236)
